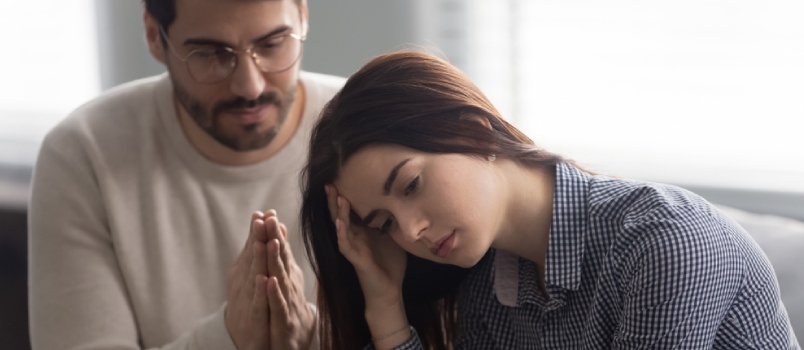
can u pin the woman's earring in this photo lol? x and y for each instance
(492, 158)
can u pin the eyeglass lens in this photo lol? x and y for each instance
(273, 54)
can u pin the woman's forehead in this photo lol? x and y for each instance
(369, 168)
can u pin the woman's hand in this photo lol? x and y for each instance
(379, 262)
(380, 265)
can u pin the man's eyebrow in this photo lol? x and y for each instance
(206, 42)
(386, 189)
(280, 29)
(213, 42)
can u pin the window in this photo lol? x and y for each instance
(50, 67)
(704, 92)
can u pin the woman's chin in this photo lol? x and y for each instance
(464, 260)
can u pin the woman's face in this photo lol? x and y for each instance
(441, 207)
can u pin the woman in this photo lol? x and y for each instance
(412, 170)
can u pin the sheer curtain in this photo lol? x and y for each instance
(704, 92)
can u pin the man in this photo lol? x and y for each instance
(139, 231)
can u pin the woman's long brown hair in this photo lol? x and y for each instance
(418, 101)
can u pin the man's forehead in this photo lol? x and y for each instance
(211, 17)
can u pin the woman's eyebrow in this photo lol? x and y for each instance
(370, 217)
(386, 190)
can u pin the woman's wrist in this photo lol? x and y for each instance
(394, 339)
(388, 325)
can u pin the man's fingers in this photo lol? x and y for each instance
(262, 229)
(280, 315)
(272, 230)
(276, 267)
(284, 230)
(254, 216)
(258, 266)
(259, 302)
(284, 249)
(246, 258)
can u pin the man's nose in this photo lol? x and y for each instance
(247, 80)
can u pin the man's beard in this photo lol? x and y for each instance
(209, 120)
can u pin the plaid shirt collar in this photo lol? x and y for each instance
(515, 279)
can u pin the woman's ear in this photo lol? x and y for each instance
(477, 118)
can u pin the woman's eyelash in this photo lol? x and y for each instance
(412, 186)
(386, 226)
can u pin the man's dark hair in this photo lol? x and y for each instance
(164, 11)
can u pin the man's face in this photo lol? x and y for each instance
(245, 110)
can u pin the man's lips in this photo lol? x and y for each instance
(248, 115)
(443, 245)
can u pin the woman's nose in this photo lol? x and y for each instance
(412, 226)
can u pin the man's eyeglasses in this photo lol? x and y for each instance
(272, 55)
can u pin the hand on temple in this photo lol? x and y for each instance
(380, 265)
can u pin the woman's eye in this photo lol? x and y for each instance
(386, 226)
(412, 186)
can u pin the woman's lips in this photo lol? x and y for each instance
(443, 246)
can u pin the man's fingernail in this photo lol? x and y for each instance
(326, 189)
(338, 224)
(340, 202)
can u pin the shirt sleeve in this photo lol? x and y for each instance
(678, 282)
(413, 343)
(77, 296)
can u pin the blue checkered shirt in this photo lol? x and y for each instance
(630, 265)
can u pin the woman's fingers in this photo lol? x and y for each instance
(344, 245)
(344, 209)
(332, 201)
(351, 240)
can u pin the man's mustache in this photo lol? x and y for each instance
(240, 103)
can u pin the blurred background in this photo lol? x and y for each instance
(705, 94)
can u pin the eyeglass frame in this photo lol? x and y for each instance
(250, 51)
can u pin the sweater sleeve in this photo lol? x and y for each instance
(77, 293)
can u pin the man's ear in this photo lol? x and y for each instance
(477, 118)
(153, 38)
(304, 16)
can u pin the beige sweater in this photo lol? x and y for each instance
(132, 231)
